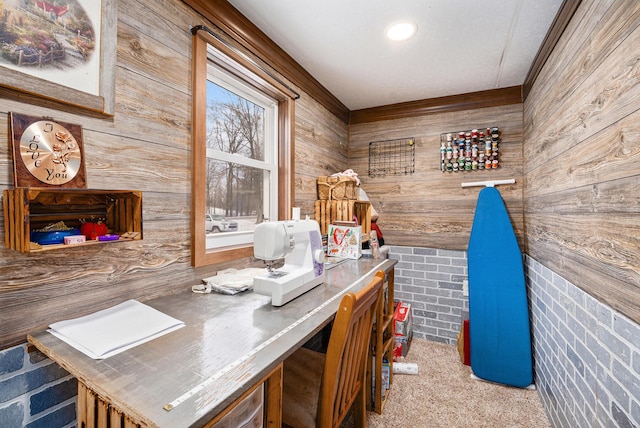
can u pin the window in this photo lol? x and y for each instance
(242, 165)
(242, 150)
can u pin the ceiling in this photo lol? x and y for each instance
(461, 46)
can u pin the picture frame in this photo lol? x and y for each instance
(29, 85)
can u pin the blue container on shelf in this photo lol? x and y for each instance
(52, 237)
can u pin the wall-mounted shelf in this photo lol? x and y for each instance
(30, 208)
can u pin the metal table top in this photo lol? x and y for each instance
(228, 343)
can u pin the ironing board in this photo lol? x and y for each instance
(500, 338)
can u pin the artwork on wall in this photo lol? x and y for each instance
(60, 51)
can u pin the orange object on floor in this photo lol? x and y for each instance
(464, 347)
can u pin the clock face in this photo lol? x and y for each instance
(50, 152)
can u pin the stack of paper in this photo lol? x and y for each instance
(114, 330)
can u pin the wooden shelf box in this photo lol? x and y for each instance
(329, 211)
(31, 208)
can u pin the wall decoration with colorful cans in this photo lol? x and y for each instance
(470, 150)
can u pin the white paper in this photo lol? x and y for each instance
(114, 330)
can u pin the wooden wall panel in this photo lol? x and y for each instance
(429, 208)
(146, 146)
(321, 149)
(582, 128)
(560, 22)
(233, 22)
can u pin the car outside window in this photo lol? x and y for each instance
(241, 165)
(243, 173)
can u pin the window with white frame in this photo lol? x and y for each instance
(242, 132)
(241, 159)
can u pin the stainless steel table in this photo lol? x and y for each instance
(229, 343)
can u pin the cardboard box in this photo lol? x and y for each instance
(401, 346)
(403, 330)
(344, 241)
(402, 318)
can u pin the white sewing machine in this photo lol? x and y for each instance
(300, 243)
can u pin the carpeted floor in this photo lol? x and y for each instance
(444, 395)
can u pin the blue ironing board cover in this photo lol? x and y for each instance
(500, 338)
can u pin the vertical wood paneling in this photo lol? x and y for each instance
(145, 146)
(582, 128)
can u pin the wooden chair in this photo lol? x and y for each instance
(319, 389)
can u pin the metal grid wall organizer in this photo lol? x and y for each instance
(392, 157)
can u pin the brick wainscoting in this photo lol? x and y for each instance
(34, 391)
(432, 281)
(587, 356)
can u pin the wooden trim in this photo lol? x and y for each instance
(28, 88)
(231, 21)
(199, 152)
(95, 411)
(469, 101)
(243, 65)
(560, 22)
(273, 401)
(286, 158)
(200, 256)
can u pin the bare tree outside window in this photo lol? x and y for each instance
(235, 126)
(242, 163)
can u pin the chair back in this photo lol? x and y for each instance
(347, 353)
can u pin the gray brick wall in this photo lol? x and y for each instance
(432, 281)
(587, 356)
(34, 391)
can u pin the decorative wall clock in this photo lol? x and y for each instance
(46, 152)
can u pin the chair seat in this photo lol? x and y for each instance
(301, 387)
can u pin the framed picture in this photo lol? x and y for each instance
(62, 52)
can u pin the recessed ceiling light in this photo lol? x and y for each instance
(401, 31)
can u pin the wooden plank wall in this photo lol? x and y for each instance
(145, 146)
(582, 167)
(321, 149)
(429, 208)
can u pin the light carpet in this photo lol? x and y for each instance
(443, 394)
